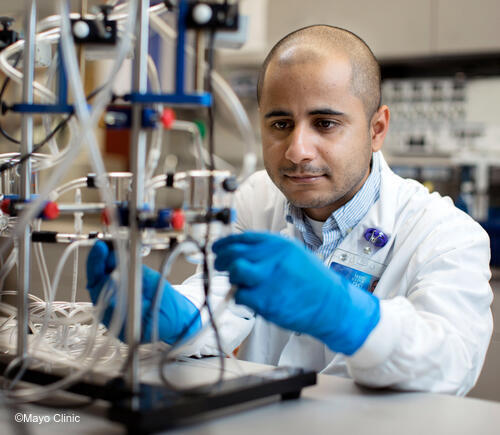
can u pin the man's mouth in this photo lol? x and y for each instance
(304, 178)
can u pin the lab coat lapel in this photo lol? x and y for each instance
(305, 351)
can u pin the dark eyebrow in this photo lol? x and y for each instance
(274, 113)
(325, 111)
(322, 111)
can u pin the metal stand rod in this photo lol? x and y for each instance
(26, 148)
(138, 160)
(180, 55)
(67, 208)
(81, 48)
(199, 65)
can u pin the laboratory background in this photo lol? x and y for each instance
(97, 80)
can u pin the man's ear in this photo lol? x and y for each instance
(379, 125)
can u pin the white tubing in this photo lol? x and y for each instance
(233, 104)
(48, 308)
(62, 261)
(31, 394)
(87, 122)
(8, 265)
(184, 247)
(70, 185)
(40, 90)
(157, 135)
(78, 230)
(42, 265)
(46, 119)
(17, 76)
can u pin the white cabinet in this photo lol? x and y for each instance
(390, 27)
(464, 26)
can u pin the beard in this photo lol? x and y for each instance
(315, 198)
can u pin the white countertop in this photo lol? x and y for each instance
(333, 406)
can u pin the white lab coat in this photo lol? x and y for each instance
(435, 323)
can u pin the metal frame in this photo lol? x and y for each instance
(26, 148)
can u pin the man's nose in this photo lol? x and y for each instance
(300, 146)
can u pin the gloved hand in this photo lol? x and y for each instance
(176, 312)
(289, 286)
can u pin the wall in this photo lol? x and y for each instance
(399, 27)
(392, 28)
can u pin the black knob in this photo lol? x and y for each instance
(106, 10)
(230, 184)
(6, 22)
(224, 216)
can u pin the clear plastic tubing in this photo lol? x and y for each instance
(17, 76)
(70, 185)
(157, 135)
(46, 119)
(87, 128)
(87, 122)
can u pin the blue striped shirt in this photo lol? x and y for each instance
(342, 220)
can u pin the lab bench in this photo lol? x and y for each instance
(334, 406)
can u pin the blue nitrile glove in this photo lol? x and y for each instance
(176, 312)
(289, 286)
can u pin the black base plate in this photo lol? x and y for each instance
(157, 408)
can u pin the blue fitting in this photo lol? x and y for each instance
(42, 108)
(197, 99)
(164, 218)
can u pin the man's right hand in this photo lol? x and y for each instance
(177, 315)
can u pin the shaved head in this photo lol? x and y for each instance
(320, 42)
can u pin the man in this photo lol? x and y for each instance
(326, 224)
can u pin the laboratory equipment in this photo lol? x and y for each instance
(56, 344)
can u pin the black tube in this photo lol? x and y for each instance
(44, 236)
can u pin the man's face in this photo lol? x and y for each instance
(315, 134)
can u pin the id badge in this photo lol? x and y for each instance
(358, 269)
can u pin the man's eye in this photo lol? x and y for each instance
(326, 124)
(280, 125)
